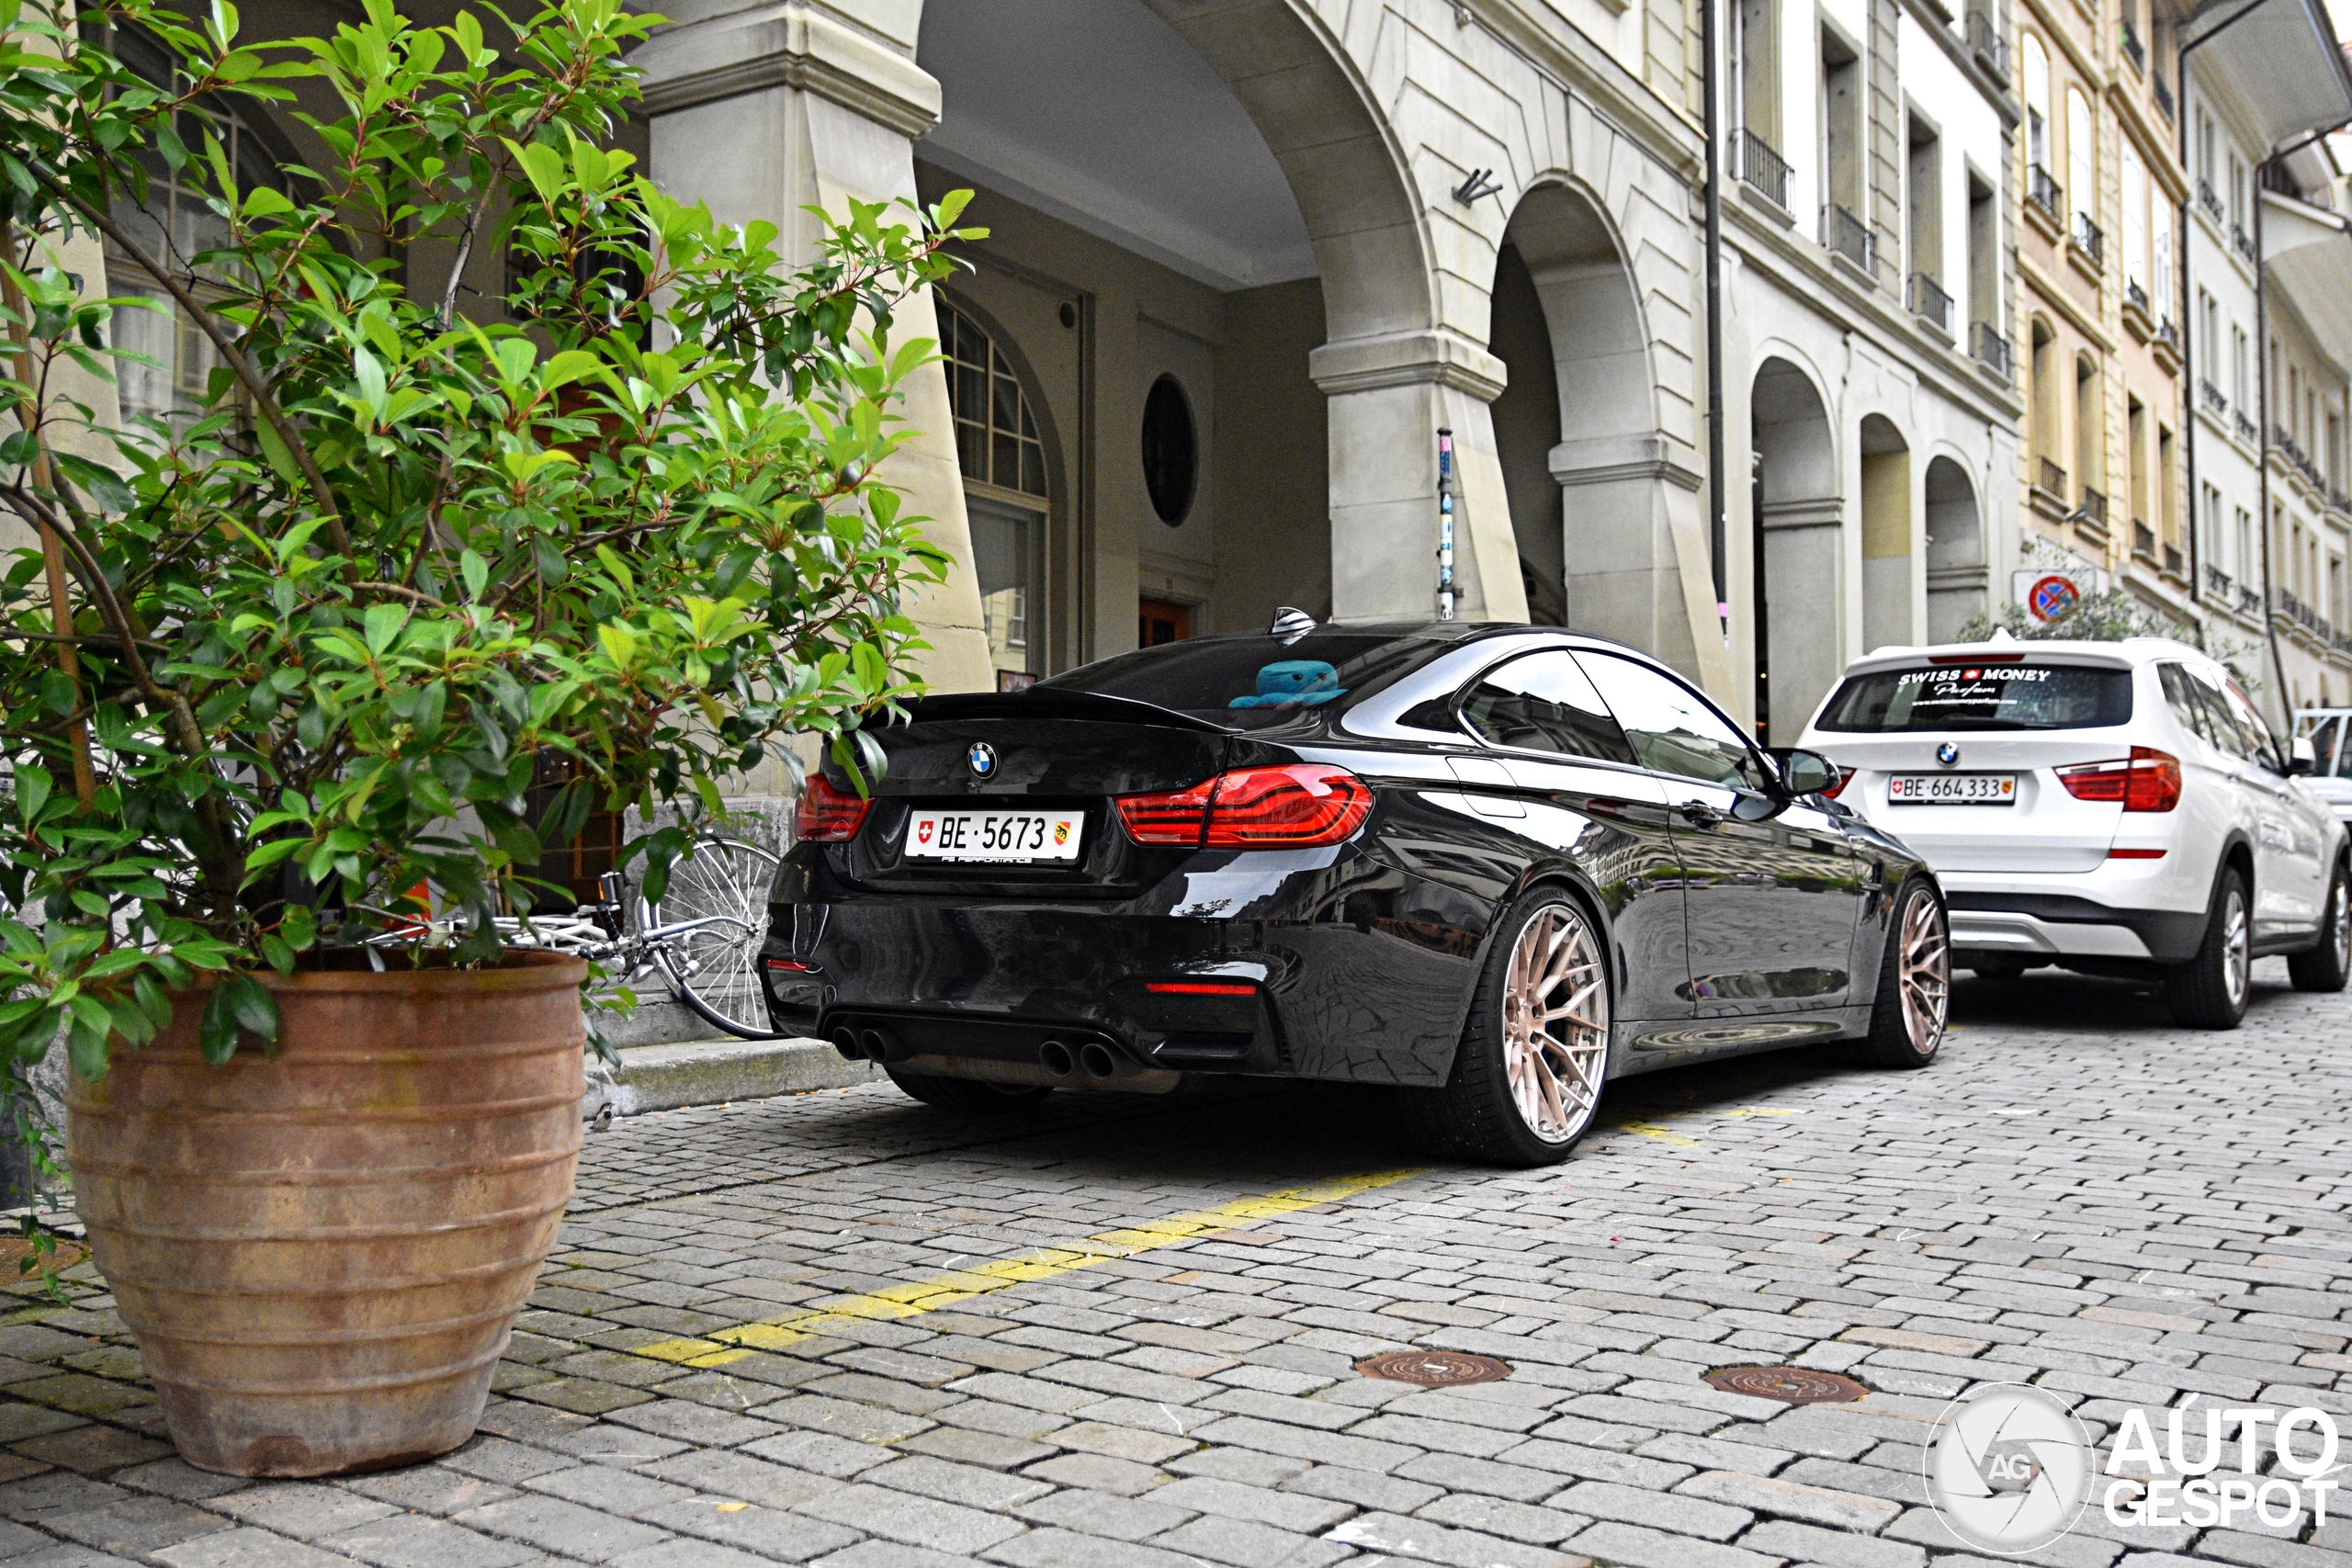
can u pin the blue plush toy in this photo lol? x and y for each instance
(1292, 682)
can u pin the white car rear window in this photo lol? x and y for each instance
(1994, 695)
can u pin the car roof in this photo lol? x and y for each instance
(2130, 653)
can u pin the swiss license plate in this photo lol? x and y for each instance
(1002, 837)
(1952, 789)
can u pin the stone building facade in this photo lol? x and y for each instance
(1291, 240)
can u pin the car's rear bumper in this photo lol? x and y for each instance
(2055, 925)
(1371, 999)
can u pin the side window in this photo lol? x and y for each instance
(1671, 728)
(2180, 695)
(2323, 739)
(2220, 724)
(1544, 702)
(2260, 748)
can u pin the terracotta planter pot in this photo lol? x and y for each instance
(322, 1253)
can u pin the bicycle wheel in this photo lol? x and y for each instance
(713, 964)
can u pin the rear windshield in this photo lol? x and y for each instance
(1981, 696)
(1251, 681)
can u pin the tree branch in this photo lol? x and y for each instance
(238, 367)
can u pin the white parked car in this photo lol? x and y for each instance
(2330, 732)
(2113, 808)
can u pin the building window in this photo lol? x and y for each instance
(1170, 450)
(2136, 222)
(1003, 462)
(2082, 159)
(2037, 103)
(175, 226)
(2090, 442)
(1841, 127)
(996, 433)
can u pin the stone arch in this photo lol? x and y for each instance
(1345, 168)
(1566, 322)
(1887, 532)
(1957, 575)
(1796, 510)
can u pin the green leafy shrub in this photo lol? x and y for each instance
(318, 639)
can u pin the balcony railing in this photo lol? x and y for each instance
(2167, 334)
(2135, 296)
(2143, 540)
(2163, 96)
(2094, 507)
(1985, 43)
(1761, 168)
(2043, 191)
(2249, 600)
(2133, 49)
(2213, 396)
(2218, 583)
(2238, 238)
(2053, 477)
(2089, 239)
(2208, 201)
(1930, 303)
(1848, 236)
(2172, 560)
(2246, 427)
(2337, 501)
(1992, 349)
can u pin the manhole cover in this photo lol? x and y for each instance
(1434, 1368)
(1790, 1385)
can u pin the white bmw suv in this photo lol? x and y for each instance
(2113, 808)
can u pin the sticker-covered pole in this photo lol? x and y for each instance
(1444, 523)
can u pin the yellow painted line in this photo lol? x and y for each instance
(1666, 1136)
(953, 1289)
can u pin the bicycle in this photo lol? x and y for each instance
(703, 934)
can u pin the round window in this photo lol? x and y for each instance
(1170, 455)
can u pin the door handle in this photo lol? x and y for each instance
(1699, 814)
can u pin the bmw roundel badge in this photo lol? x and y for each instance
(981, 759)
(1947, 753)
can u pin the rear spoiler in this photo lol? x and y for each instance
(1039, 702)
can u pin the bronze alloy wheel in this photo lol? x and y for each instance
(1555, 1023)
(1926, 974)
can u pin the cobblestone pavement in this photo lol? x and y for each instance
(844, 1328)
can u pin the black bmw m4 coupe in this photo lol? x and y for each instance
(1491, 867)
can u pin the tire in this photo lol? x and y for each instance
(2209, 990)
(1912, 1005)
(714, 969)
(2327, 965)
(967, 1094)
(1525, 1089)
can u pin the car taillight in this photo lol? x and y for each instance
(2149, 780)
(1298, 806)
(828, 815)
(1168, 816)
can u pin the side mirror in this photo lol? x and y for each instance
(2300, 756)
(1807, 772)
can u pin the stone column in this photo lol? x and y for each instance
(762, 110)
(1389, 396)
(1637, 563)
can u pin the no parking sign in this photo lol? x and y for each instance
(2052, 598)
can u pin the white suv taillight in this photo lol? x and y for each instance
(2148, 780)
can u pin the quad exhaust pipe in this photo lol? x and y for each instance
(1056, 1059)
(871, 1044)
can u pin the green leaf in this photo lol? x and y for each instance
(33, 787)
